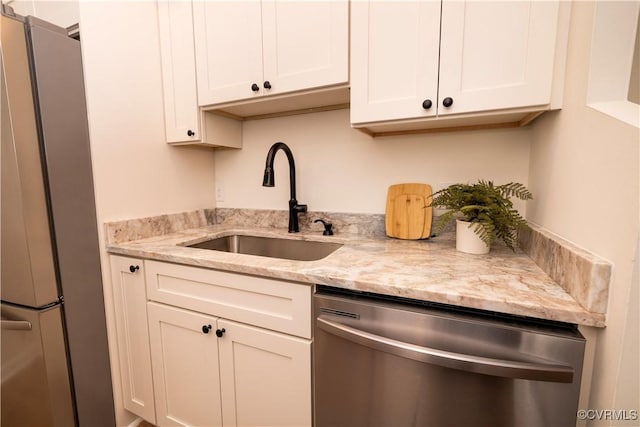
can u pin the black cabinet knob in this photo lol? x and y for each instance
(255, 87)
(190, 132)
(267, 84)
(426, 104)
(220, 332)
(447, 102)
(134, 268)
(206, 328)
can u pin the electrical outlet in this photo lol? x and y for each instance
(219, 193)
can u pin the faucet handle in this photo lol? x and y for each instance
(328, 227)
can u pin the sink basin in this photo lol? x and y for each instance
(298, 250)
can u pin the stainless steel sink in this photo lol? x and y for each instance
(299, 250)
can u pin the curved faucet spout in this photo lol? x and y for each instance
(269, 181)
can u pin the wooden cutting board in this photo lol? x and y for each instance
(407, 216)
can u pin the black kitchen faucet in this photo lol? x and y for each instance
(268, 181)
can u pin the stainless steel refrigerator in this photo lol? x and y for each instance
(55, 358)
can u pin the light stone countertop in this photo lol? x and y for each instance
(429, 270)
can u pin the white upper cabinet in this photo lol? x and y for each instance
(185, 123)
(305, 44)
(427, 61)
(496, 55)
(249, 49)
(228, 41)
(178, 71)
(394, 59)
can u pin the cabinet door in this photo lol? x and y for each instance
(130, 302)
(185, 367)
(306, 44)
(178, 71)
(496, 55)
(228, 42)
(394, 60)
(265, 376)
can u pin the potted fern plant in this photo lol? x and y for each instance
(483, 211)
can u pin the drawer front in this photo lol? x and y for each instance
(273, 304)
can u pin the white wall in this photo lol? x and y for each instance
(60, 12)
(344, 170)
(585, 173)
(136, 174)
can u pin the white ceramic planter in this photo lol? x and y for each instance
(468, 241)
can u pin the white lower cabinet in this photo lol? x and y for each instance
(201, 368)
(130, 303)
(185, 367)
(246, 376)
(265, 377)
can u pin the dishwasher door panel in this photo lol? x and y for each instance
(360, 382)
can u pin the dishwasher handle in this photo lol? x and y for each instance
(447, 359)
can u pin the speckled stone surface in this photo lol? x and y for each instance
(583, 275)
(430, 270)
(361, 224)
(141, 228)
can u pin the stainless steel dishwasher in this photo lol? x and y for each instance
(395, 363)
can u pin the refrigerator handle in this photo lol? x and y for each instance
(16, 325)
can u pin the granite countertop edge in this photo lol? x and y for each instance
(429, 270)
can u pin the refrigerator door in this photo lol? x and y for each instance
(35, 377)
(28, 274)
(49, 230)
(62, 112)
